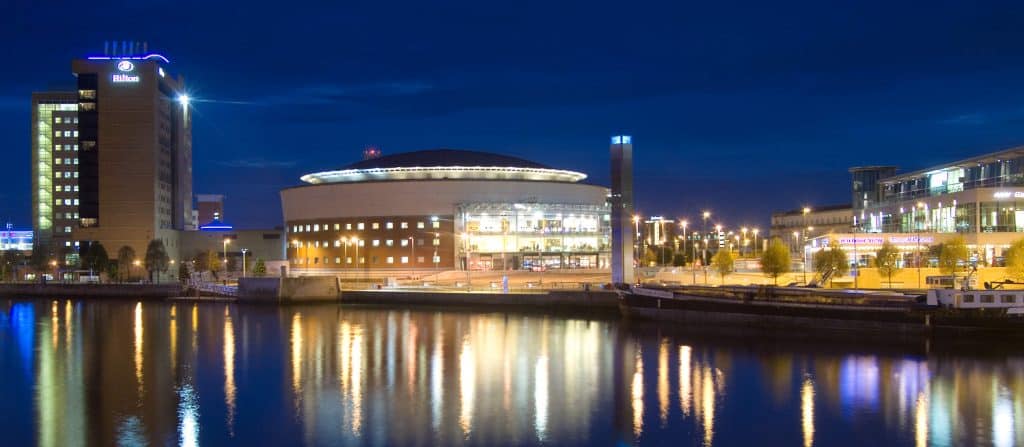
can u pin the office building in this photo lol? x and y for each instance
(55, 170)
(446, 209)
(130, 151)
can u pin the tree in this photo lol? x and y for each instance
(94, 257)
(953, 255)
(1015, 260)
(679, 260)
(886, 258)
(724, 263)
(183, 274)
(200, 262)
(831, 259)
(260, 268)
(156, 258)
(125, 258)
(775, 259)
(11, 258)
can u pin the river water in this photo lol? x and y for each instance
(126, 373)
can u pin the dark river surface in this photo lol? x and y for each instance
(125, 373)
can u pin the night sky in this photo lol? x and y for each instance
(739, 108)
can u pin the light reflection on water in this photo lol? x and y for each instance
(105, 373)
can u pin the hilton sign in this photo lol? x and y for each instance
(121, 78)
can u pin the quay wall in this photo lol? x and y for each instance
(129, 291)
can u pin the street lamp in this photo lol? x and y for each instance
(704, 229)
(244, 251)
(744, 231)
(755, 231)
(637, 242)
(135, 263)
(683, 224)
(226, 242)
(803, 257)
(344, 242)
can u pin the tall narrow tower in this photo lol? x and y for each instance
(622, 210)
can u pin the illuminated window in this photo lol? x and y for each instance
(57, 147)
(348, 260)
(337, 227)
(362, 259)
(308, 227)
(390, 260)
(405, 259)
(405, 242)
(57, 120)
(76, 188)
(316, 227)
(437, 242)
(56, 133)
(389, 243)
(360, 226)
(348, 226)
(76, 146)
(404, 225)
(75, 133)
(437, 259)
(76, 202)
(419, 225)
(337, 243)
(389, 225)
(435, 224)
(67, 133)
(376, 225)
(376, 243)
(362, 243)
(57, 161)
(316, 244)
(327, 260)
(337, 260)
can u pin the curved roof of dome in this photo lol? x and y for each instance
(444, 157)
(444, 164)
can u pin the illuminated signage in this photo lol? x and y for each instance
(860, 240)
(123, 78)
(911, 239)
(1008, 194)
(622, 139)
(125, 66)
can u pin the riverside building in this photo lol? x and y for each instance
(446, 209)
(120, 171)
(979, 198)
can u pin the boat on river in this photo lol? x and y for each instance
(939, 311)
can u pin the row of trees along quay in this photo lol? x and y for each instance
(832, 261)
(94, 258)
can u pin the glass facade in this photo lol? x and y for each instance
(45, 145)
(534, 236)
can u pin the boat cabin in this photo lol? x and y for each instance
(977, 299)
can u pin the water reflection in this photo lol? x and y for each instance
(108, 373)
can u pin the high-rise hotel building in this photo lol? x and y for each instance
(130, 140)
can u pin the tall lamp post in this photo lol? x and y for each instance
(344, 244)
(803, 259)
(469, 278)
(244, 251)
(226, 242)
(755, 230)
(683, 224)
(637, 241)
(744, 231)
(704, 230)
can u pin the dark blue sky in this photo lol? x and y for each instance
(742, 108)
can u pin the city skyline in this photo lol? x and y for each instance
(719, 102)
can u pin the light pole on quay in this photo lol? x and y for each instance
(244, 251)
